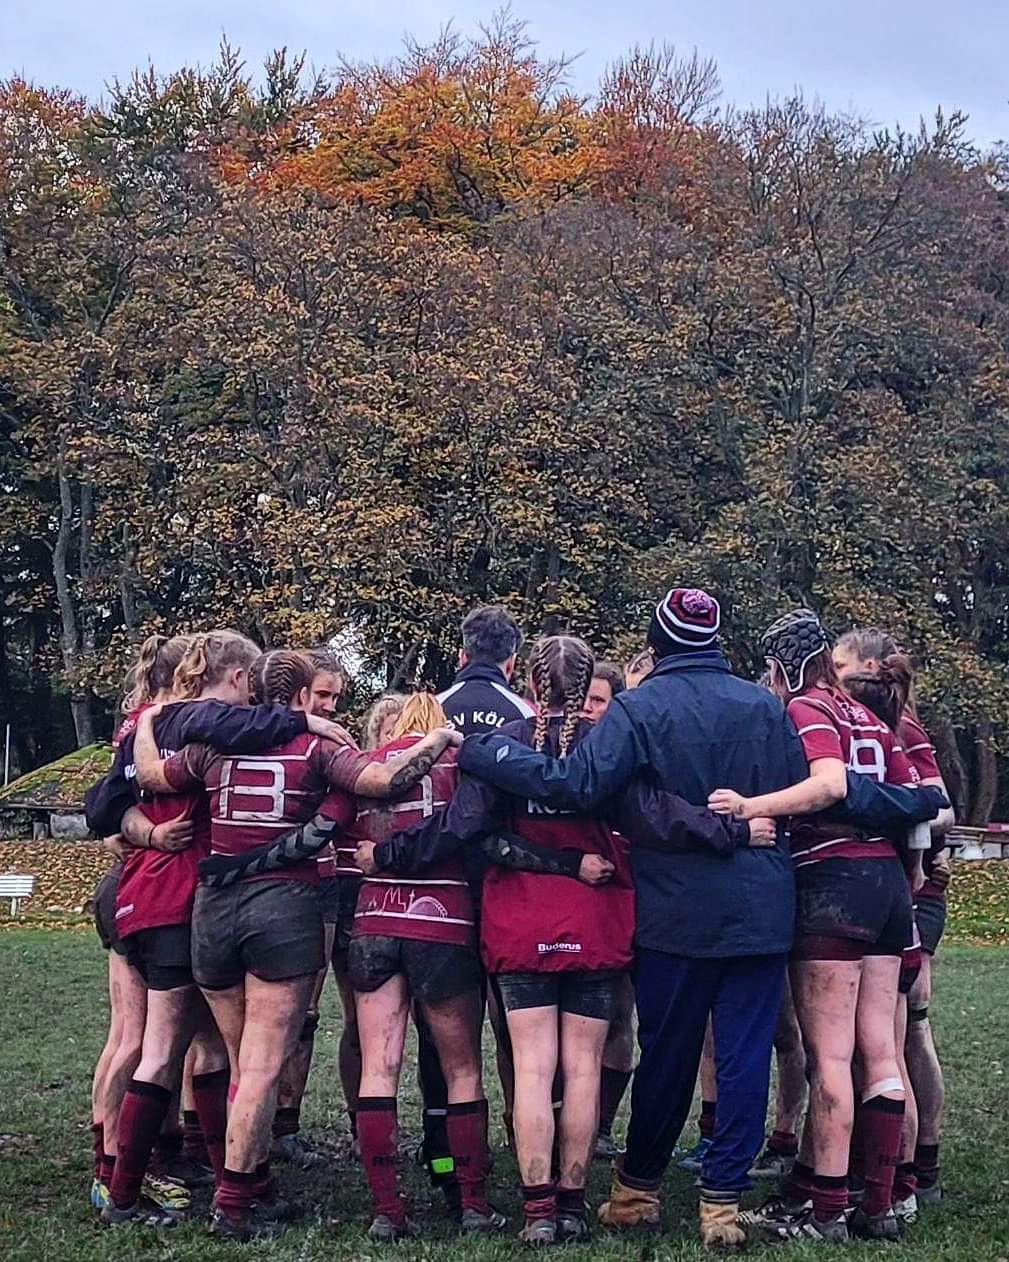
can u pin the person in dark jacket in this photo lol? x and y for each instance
(479, 698)
(713, 934)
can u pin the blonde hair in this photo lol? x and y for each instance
(154, 669)
(561, 668)
(389, 703)
(276, 677)
(422, 713)
(209, 659)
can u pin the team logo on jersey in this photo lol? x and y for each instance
(428, 907)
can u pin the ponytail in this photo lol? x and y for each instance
(886, 691)
(154, 669)
(139, 689)
(421, 713)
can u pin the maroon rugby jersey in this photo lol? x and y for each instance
(254, 798)
(832, 724)
(157, 888)
(531, 922)
(434, 907)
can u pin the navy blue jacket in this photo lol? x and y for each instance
(479, 700)
(696, 727)
(234, 729)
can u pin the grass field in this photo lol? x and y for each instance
(51, 1019)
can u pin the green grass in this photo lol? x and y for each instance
(52, 1023)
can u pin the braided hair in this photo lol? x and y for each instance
(389, 703)
(276, 677)
(560, 669)
(154, 669)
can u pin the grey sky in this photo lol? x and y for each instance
(889, 60)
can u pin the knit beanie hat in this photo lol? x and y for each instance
(686, 620)
(794, 640)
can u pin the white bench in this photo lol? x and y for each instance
(17, 887)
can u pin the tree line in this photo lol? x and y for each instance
(345, 355)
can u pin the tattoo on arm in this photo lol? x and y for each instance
(417, 765)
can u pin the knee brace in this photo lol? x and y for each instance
(309, 1028)
(918, 1014)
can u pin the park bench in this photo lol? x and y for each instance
(17, 887)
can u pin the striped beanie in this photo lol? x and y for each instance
(686, 620)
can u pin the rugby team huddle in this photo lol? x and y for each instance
(742, 868)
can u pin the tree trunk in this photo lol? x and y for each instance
(128, 583)
(986, 781)
(405, 670)
(953, 767)
(70, 637)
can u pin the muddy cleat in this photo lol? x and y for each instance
(806, 1227)
(253, 1224)
(772, 1165)
(906, 1211)
(719, 1220)
(185, 1170)
(691, 1159)
(142, 1214)
(776, 1210)
(606, 1149)
(572, 1226)
(99, 1194)
(384, 1230)
(630, 1206)
(166, 1193)
(486, 1219)
(539, 1233)
(883, 1226)
(296, 1151)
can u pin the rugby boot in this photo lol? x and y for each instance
(630, 1206)
(720, 1226)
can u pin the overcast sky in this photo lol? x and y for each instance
(889, 60)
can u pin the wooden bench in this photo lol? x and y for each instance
(17, 887)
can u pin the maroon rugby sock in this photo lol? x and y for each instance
(706, 1122)
(783, 1144)
(882, 1121)
(140, 1119)
(235, 1193)
(210, 1096)
(830, 1196)
(539, 1200)
(377, 1132)
(467, 1141)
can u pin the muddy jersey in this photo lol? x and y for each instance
(436, 906)
(833, 725)
(156, 888)
(531, 922)
(254, 798)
